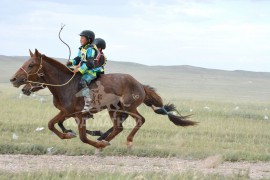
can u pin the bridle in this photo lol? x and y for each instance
(42, 75)
(43, 85)
(37, 72)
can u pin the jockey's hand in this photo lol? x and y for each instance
(69, 63)
(76, 70)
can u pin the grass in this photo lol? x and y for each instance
(235, 130)
(231, 107)
(48, 175)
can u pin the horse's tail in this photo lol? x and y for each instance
(152, 99)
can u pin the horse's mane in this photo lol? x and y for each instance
(56, 64)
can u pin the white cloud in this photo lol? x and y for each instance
(201, 33)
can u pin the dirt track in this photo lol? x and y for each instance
(30, 163)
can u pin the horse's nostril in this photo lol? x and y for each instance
(13, 79)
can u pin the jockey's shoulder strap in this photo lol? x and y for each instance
(94, 47)
(102, 57)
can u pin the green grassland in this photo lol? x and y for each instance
(235, 131)
(48, 175)
(231, 107)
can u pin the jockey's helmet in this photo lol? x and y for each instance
(90, 35)
(100, 43)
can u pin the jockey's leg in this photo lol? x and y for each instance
(85, 81)
(86, 95)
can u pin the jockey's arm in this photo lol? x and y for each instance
(89, 64)
(75, 61)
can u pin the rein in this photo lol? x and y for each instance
(42, 74)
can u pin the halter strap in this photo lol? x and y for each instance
(42, 74)
(39, 68)
(32, 87)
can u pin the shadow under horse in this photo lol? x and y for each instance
(121, 90)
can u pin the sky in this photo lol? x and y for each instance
(215, 34)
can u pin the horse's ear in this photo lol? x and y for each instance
(36, 53)
(31, 54)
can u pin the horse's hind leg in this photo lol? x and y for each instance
(139, 122)
(94, 133)
(106, 134)
(123, 117)
(117, 124)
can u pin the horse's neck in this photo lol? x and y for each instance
(56, 74)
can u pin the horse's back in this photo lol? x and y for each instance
(118, 77)
(119, 83)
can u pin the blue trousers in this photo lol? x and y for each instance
(88, 78)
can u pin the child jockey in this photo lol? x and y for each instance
(84, 63)
(101, 58)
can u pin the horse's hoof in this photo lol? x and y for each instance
(106, 143)
(72, 134)
(129, 145)
(103, 144)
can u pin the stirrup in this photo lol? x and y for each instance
(85, 110)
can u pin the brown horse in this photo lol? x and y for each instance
(30, 88)
(122, 94)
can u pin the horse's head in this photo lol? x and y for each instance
(30, 70)
(29, 88)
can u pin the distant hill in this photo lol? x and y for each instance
(180, 81)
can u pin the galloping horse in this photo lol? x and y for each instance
(120, 89)
(29, 88)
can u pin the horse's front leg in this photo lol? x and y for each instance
(64, 130)
(60, 117)
(82, 132)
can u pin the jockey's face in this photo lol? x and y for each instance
(83, 40)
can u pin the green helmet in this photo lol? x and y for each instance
(100, 43)
(90, 35)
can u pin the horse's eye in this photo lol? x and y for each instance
(31, 65)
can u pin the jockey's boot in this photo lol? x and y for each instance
(86, 95)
